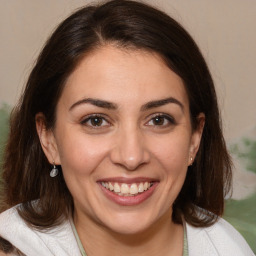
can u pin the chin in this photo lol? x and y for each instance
(130, 224)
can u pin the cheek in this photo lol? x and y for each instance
(80, 155)
(172, 152)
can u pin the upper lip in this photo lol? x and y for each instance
(128, 180)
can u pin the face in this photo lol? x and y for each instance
(123, 138)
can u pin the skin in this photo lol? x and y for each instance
(131, 139)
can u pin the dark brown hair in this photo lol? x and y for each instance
(126, 24)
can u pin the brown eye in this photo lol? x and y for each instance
(95, 122)
(161, 120)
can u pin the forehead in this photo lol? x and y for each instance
(117, 74)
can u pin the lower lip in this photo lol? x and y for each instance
(129, 200)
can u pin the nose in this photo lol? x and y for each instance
(129, 150)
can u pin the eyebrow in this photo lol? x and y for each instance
(112, 106)
(95, 102)
(162, 102)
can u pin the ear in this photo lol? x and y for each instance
(47, 140)
(196, 138)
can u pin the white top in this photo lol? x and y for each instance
(221, 239)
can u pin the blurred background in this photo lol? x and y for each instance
(225, 32)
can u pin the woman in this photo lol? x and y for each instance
(115, 147)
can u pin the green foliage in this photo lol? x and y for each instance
(246, 151)
(242, 215)
(4, 126)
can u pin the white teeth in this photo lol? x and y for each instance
(117, 188)
(125, 189)
(141, 188)
(146, 185)
(111, 188)
(134, 189)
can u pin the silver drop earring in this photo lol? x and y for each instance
(54, 172)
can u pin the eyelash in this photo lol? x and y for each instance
(167, 118)
(93, 117)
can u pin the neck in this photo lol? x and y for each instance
(162, 238)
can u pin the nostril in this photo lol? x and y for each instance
(129, 151)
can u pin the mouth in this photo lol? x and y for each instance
(124, 189)
(128, 192)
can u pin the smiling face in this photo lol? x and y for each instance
(123, 138)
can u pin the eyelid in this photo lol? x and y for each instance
(86, 118)
(170, 118)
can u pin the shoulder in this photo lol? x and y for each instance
(55, 241)
(219, 239)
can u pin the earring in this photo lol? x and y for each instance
(54, 172)
(191, 160)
